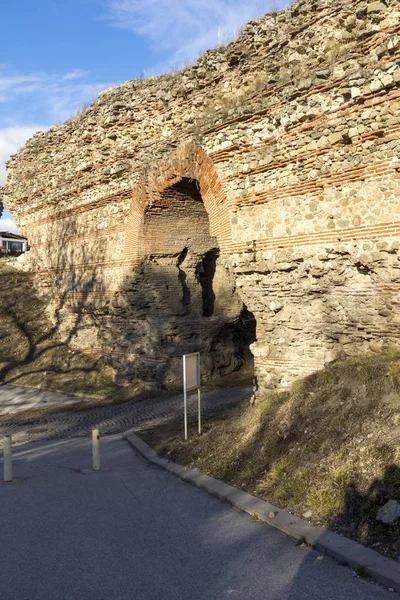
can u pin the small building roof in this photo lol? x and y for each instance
(13, 236)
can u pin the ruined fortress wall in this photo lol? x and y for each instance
(286, 145)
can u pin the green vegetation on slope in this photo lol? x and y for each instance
(328, 448)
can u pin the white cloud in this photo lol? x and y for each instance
(186, 28)
(11, 139)
(15, 82)
(57, 95)
(75, 74)
(9, 226)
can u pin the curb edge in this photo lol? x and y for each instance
(381, 569)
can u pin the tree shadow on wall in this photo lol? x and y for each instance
(42, 311)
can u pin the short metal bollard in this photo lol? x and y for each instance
(7, 458)
(96, 450)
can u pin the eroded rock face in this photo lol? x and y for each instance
(389, 512)
(261, 181)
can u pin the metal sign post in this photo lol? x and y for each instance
(191, 382)
(199, 408)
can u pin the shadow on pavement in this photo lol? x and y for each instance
(138, 532)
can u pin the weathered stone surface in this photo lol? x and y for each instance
(250, 200)
(389, 513)
(375, 7)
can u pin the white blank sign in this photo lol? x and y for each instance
(191, 371)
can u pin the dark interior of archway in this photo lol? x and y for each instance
(245, 335)
(205, 272)
(184, 298)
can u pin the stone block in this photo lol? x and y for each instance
(389, 513)
(376, 7)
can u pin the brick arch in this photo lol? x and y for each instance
(191, 162)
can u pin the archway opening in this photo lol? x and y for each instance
(187, 298)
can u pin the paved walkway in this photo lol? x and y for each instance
(14, 398)
(110, 419)
(138, 533)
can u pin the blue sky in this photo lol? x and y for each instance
(57, 55)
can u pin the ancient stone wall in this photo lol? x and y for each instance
(260, 183)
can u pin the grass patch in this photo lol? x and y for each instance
(362, 571)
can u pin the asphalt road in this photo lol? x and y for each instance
(138, 533)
